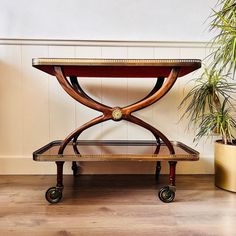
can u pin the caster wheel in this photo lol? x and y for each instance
(53, 195)
(166, 194)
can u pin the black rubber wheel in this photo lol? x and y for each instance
(166, 194)
(53, 195)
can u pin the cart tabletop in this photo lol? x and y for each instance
(127, 68)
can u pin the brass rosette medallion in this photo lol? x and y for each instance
(116, 114)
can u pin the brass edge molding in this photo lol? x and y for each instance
(110, 62)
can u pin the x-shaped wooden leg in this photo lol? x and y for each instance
(73, 88)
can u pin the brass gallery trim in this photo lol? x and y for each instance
(110, 62)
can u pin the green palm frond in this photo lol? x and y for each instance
(208, 105)
(206, 94)
(225, 42)
(220, 122)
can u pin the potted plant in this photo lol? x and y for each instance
(209, 104)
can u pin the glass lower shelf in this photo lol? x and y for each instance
(107, 150)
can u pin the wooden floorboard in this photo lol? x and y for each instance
(115, 205)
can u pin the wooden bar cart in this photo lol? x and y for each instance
(68, 71)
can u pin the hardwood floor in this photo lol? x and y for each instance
(115, 205)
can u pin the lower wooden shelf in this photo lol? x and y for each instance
(109, 150)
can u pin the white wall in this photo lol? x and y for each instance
(158, 20)
(35, 110)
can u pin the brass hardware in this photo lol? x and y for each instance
(117, 114)
(112, 62)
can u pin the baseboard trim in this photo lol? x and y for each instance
(104, 43)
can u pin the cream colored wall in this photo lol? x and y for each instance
(35, 110)
(106, 19)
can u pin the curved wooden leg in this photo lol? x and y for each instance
(78, 95)
(74, 90)
(153, 130)
(75, 83)
(78, 131)
(157, 86)
(155, 95)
